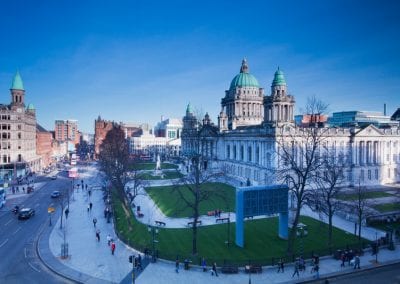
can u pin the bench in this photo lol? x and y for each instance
(254, 268)
(159, 223)
(222, 220)
(249, 217)
(229, 269)
(191, 223)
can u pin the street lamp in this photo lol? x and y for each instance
(377, 247)
(153, 231)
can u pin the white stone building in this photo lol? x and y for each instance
(251, 125)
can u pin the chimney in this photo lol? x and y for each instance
(384, 109)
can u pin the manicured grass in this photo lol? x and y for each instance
(167, 199)
(368, 195)
(167, 175)
(151, 166)
(387, 226)
(387, 207)
(261, 240)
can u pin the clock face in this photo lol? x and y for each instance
(19, 110)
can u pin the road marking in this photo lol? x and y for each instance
(25, 252)
(19, 228)
(3, 243)
(34, 268)
(7, 223)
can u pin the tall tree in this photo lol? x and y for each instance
(360, 207)
(298, 153)
(328, 186)
(114, 159)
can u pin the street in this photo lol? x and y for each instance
(19, 261)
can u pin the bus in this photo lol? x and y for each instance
(2, 197)
(73, 173)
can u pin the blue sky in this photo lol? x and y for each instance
(134, 61)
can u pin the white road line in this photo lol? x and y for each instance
(34, 268)
(25, 252)
(7, 223)
(19, 228)
(3, 243)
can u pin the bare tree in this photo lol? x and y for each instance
(298, 156)
(138, 182)
(114, 159)
(359, 207)
(329, 182)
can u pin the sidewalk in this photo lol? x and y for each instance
(88, 261)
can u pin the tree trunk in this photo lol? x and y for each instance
(359, 226)
(330, 228)
(293, 232)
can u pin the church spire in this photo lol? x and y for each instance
(17, 82)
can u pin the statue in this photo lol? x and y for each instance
(158, 163)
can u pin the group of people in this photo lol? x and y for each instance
(213, 269)
(351, 258)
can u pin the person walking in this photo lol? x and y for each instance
(98, 235)
(177, 265)
(109, 239)
(66, 213)
(343, 259)
(316, 269)
(90, 206)
(214, 269)
(139, 262)
(281, 266)
(296, 269)
(357, 262)
(204, 264)
(94, 222)
(112, 248)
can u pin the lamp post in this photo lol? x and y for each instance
(377, 247)
(300, 231)
(153, 231)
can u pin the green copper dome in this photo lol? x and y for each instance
(30, 107)
(279, 79)
(189, 108)
(17, 82)
(244, 78)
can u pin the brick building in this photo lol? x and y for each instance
(67, 130)
(101, 127)
(44, 146)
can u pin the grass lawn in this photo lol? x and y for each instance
(261, 240)
(151, 166)
(387, 226)
(170, 204)
(167, 175)
(387, 207)
(369, 195)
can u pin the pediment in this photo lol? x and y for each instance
(370, 130)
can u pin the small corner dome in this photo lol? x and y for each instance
(279, 78)
(244, 78)
(30, 107)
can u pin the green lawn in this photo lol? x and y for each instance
(167, 175)
(369, 195)
(168, 201)
(151, 166)
(387, 207)
(261, 240)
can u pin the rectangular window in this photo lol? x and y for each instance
(369, 174)
(376, 174)
(388, 173)
(362, 175)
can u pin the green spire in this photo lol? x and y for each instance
(189, 108)
(17, 83)
(279, 79)
(30, 107)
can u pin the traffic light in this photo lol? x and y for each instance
(136, 262)
(131, 258)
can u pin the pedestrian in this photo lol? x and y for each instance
(112, 248)
(94, 222)
(66, 213)
(177, 265)
(98, 235)
(90, 192)
(140, 262)
(296, 269)
(108, 239)
(214, 269)
(357, 262)
(316, 269)
(204, 264)
(23, 189)
(343, 259)
(281, 266)
(90, 206)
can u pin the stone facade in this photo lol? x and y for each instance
(44, 142)
(67, 130)
(250, 151)
(18, 134)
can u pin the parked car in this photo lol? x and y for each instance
(26, 213)
(55, 194)
(29, 189)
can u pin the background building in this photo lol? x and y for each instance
(44, 142)
(17, 134)
(361, 119)
(67, 130)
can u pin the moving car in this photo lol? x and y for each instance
(55, 194)
(26, 213)
(53, 177)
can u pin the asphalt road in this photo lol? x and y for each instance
(19, 262)
(389, 274)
